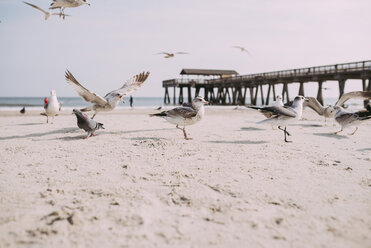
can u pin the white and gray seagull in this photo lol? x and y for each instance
(329, 111)
(283, 115)
(46, 13)
(347, 118)
(185, 115)
(63, 4)
(111, 99)
(242, 49)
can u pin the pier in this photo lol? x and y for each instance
(226, 87)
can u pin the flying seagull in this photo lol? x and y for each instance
(171, 55)
(111, 99)
(62, 4)
(84, 122)
(347, 118)
(329, 110)
(283, 115)
(51, 106)
(185, 116)
(46, 13)
(242, 49)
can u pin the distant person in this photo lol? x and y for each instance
(22, 111)
(131, 101)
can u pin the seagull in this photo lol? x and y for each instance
(185, 116)
(23, 110)
(111, 99)
(62, 4)
(329, 110)
(244, 50)
(278, 101)
(171, 55)
(46, 13)
(283, 115)
(84, 122)
(51, 106)
(346, 118)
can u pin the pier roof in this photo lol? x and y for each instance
(208, 72)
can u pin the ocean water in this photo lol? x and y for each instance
(72, 102)
(12, 103)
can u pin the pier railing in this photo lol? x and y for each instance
(309, 71)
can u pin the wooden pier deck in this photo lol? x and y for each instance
(231, 89)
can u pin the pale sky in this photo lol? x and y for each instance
(108, 42)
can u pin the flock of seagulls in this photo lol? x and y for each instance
(99, 104)
(277, 114)
(281, 115)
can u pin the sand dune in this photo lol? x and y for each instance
(138, 183)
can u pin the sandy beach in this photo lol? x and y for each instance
(138, 183)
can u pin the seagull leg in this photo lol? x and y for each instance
(286, 133)
(354, 131)
(179, 127)
(87, 136)
(339, 131)
(47, 119)
(185, 134)
(93, 116)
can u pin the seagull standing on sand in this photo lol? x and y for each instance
(111, 99)
(62, 4)
(283, 115)
(346, 118)
(46, 13)
(185, 116)
(51, 106)
(171, 55)
(84, 122)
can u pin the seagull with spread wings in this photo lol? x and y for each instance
(46, 13)
(111, 99)
(242, 49)
(171, 55)
(329, 110)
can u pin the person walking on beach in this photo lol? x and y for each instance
(131, 101)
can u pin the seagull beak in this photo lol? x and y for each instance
(306, 99)
(122, 99)
(206, 102)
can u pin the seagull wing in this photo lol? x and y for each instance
(37, 7)
(315, 105)
(131, 85)
(86, 94)
(275, 111)
(184, 112)
(354, 94)
(168, 54)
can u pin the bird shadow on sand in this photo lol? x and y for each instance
(306, 125)
(139, 131)
(35, 135)
(31, 124)
(250, 129)
(364, 150)
(331, 135)
(238, 142)
(146, 138)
